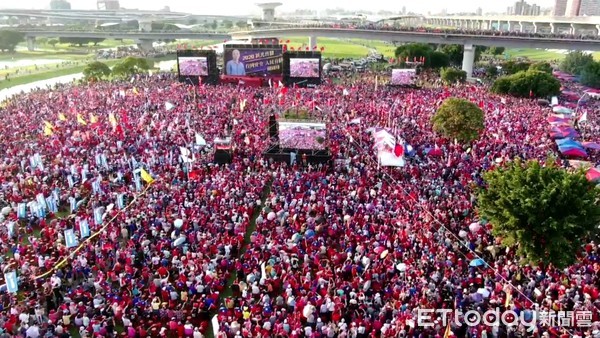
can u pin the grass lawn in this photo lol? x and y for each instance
(334, 48)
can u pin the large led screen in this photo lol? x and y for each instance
(302, 135)
(192, 66)
(403, 76)
(305, 67)
(253, 61)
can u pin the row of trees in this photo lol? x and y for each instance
(542, 212)
(583, 65)
(96, 71)
(440, 56)
(9, 40)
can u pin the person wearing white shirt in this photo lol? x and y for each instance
(33, 331)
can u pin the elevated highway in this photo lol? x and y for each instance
(468, 40)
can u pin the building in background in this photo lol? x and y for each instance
(60, 4)
(573, 8)
(479, 11)
(108, 5)
(521, 7)
(589, 8)
(560, 8)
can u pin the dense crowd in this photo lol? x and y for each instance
(347, 249)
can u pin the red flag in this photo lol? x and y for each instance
(194, 174)
(481, 104)
(314, 47)
(307, 48)
(398, 150)
(531, 93)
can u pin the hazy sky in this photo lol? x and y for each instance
(240, 7)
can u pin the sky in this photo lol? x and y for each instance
(246, 7)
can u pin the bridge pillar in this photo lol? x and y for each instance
(468, 59)
(490, 25)
(552, 28)
(31, 43)
(520, 27)
(535, 28)
(144, 44)
(573, 30)
(312, 42)
(499, 28)
(598, 29)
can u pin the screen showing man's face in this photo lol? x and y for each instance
(235, 55)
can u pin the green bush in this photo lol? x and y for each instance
(453, 75)
(458, 119)
(575, 62)
(590, 76)
(525, 84)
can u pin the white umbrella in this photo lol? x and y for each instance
(179, 241)
(484, 292)
(401, 267)
(178, 223)
(6, 211)
(271, 216)
(462, 234)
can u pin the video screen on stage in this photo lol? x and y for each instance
(253, 61)
(305, 67)
(192, 65)
(403, 76)
(302, 135)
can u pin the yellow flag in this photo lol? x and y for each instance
(448, 332)
(48, 131)
(48, 125)
(62, 117)
(93, 119)
(81, 120)
(146, 177)
(508, 299)
(112, 120)
(135, 91)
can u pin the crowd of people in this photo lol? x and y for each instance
(346, 249)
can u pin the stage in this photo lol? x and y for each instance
(284, 155)
(249, 81)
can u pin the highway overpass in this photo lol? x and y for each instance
(521, 23)
(145, 39)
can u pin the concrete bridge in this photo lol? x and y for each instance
(145, 39)
(521, 23)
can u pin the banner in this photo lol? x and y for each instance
(70, 240)
(12, 285)
(84, 228)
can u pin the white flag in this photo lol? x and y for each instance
(169, 106)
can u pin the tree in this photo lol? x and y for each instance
(542, 67)
(590, 76)
(413, 51)
(10, 39)
(42, 41)
(130, 66)
(80, 41)
(438, 60)
(575, 62)
(53, 42)
(458, 119)
(453, 75)
(525, 84)
(496, 50)
(214, 25)
(95, 71)
(227, 24)
(491, 71)
(511, 67)
(545, 211)
(241, 24)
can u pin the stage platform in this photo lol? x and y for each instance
(249, 81)
(312, 156)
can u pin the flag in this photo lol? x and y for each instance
(80, 120)
(93, 119)
(98, 216)
(583, 118)
(146, 177)
(112, 120)
(22, 210)
(242, 105)
(48, 125)
(270, 83)
(345, 92)
(169, 106)
(12, 285)
(531, 93)
(376, 82)
(508, 299)
(398, 150)
(62, 117)
(135, 91)
(280, 84)
(448, 331)
(48, 131)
